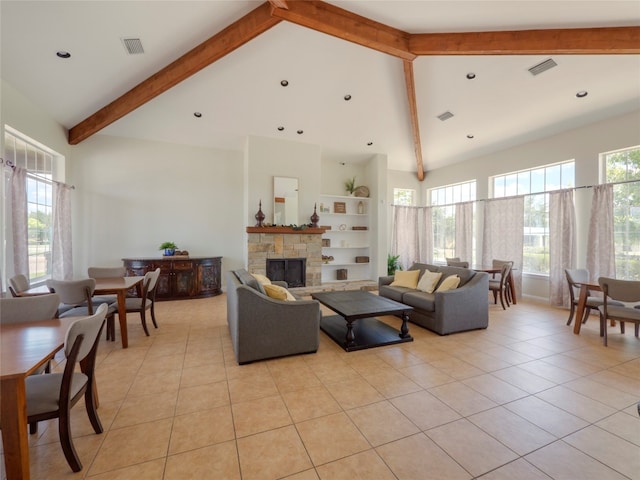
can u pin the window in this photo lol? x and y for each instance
(534, 183)
(443, 200)
(624, 166)
(38, 162)
(404, 196)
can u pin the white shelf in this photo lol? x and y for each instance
(346, 197)
(350, 246)
(334, 264)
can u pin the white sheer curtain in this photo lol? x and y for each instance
(464, 231)
(600, 243)
(426, 235)
(19, 221)
(62, 253)
(503, 232)
(404, 236)
(562, 244)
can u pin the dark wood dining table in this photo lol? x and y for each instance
(25, 347)
(106, 286)
(493, 271)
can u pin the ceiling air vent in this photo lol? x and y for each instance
(133, 46)
(542, 67)
(445, 116)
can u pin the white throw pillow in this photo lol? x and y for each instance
(449, 283)
(429, 281)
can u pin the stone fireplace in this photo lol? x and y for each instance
(286, 243)
(290, 270)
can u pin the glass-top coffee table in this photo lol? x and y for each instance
(355, 327)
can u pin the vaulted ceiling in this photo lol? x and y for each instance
(400, 63)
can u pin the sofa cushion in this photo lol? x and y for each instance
(428, 281)
(465, 274)
(249, 280)
(393, 293)
(420, 300)
(449, 283)
(262, 279)
(408, 279)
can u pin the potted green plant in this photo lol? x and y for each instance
(393, 264)
(169, 248)
(350, 185)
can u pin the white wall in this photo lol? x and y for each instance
(132, 195)
(584, 145)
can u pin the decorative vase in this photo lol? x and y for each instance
(259, 215)
(168, 252)
(314, 218)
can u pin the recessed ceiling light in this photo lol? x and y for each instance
(284, 83)
(300, 132)
(63, 54)
(582, 94)
(280, 128)
(369, 144)
(197, 114)
(347, 97)
(471, 75)
(470, 136)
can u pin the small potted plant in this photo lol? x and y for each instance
(393, 264)
(350, 185)
(169, 248)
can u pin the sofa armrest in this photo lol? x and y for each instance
(386, 280)
(464, 308)
(280, 283)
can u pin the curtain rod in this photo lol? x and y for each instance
(11, 165)
(515, 196)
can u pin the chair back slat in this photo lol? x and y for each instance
(622, 290)
(90, 328)
(18, 284)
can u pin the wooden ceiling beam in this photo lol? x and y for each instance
(326, 18)
(279, 4)
(569, 41)
(413, 115)
(211, 50)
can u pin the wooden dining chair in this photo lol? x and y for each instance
(458, 264)
(625, 292)
(105, 272)
(140, 305)
(76, 297)
(576, 276)
(30, 309)
(52, 396)
(495, 263)
(451, 259)
(499, 286)
(18, 284)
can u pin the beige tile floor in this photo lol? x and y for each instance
(524, 399)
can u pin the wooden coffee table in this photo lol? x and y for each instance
(368, 331)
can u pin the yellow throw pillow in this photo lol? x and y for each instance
(278, 292)
(449, 283)
(429, 281)
(262, 280)
(408, 279)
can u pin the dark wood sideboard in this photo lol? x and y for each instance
(180, 277)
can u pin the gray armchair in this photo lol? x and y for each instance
(262, 327)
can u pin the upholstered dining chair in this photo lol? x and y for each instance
(500, 286)
(458, 264)
(626, 292)
(53, 395)
(495, 263)
(76, 297)
(451, 259)
(576, 276)
(140, 305)
(30, 309)
(18, 284)
(105, 272)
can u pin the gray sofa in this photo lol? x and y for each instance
(458, 310)
(262, 327)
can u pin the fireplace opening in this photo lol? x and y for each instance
(290, 270)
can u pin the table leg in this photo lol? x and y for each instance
(582, 301)
(13, 413)
(404, 330)
(350, 336)
(512, 288)
(122, 317)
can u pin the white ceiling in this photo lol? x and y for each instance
(241, 94)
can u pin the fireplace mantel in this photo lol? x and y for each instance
(286, 230)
